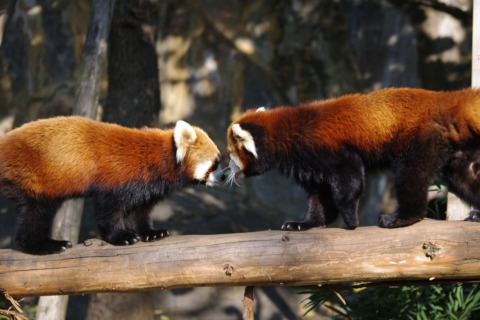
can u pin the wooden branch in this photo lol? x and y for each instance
(248, 304)
(423, 252)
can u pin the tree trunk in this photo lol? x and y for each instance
(248, 304)
(133, 90)
(67, 221)
(6, 9)
(133, 100)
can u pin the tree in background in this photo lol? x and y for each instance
(212, 60)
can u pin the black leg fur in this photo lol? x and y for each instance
(462, 174)
(34, 225)
(473, 216)
(143, 224)
(412, 179)
(346, 193)
(123, 224)
(319, 213)
(111, 221)
(343, 184)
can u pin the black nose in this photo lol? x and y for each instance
(223, 176)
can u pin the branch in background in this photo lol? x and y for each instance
(16, 314)
(454, 11)
(5, 13)
(246, 47)
(234, 39)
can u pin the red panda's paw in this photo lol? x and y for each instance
(297, 226)
(122, 238)
(393, 221)
(473, 216)
(45, 246)
(154, 234)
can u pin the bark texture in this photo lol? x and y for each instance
(429, 250)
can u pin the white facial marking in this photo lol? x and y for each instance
(214, 177)
(235, 164)
(245, 139)
(261, 109)
(235, 170)
(184, 136)
(202, 169)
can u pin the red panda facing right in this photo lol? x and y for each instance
(327, 146)
(126, 171)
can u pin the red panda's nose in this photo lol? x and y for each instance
(222, 177)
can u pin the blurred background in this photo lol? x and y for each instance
(206, 61)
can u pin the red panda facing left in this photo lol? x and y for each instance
(328, 146)
(126, 171)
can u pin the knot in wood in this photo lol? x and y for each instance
(430, 250)
(228, 269)
(94, 242)
(285, 238)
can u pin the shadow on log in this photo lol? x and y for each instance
(428, 250)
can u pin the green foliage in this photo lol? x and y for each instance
(3, 306)
(440, 302)
(435, 208)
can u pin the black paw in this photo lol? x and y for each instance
(45, 246)
(473, 216)
(393, 221)
(153, 234)
(122, 238)
(295, 226)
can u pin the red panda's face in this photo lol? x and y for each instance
(198, 153)
(246, 138)
(242, 150)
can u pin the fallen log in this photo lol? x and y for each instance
(428, 250)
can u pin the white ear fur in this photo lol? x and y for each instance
(184, 136)
(245, 138)
(261, 109)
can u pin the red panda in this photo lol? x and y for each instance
(327, 146)
(126, 171)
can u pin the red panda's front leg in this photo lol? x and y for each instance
(124, 221)
(142, 224)
(412, 176)
(321, 211)
(112, 221)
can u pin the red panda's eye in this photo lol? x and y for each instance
(215, 165)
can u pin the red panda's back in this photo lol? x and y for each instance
(388, 119)
(49, 156)
(66, 156)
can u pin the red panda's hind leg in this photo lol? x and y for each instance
(34, 225)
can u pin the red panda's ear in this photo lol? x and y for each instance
(261, 109)
(245, 139)
(184, 136)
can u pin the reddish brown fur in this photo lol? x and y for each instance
(68, 155)
(369, 121)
